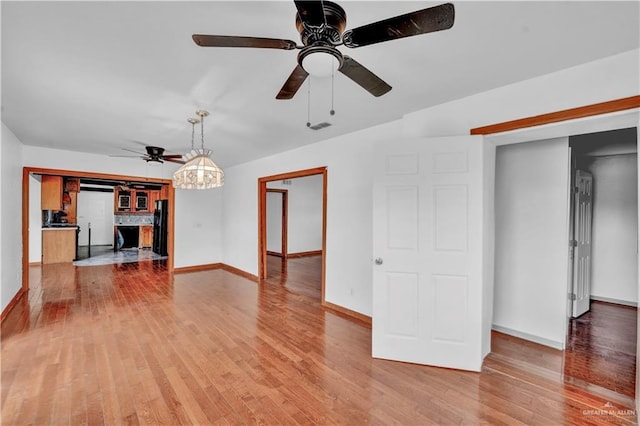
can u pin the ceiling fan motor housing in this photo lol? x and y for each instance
(329, 33)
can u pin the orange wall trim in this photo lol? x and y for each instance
(364, 319)
(304, 254)
(567, 114)
(239, 272)
(12, 304)
(211, 266)
(197, 268)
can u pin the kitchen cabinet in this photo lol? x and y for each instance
(142, 201)
(164, 192)
(51, 193)
(72, 184)
(153, 197)
(122, 201)
(134, 200)
(146, 236)
(71, 208)
(59, 245)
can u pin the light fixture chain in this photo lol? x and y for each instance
(309, 103)
(202, 132)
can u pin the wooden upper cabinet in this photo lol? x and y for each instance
(164, 192)
(142, 201)
(51, 193)
(154, 196)
(72, 184)
(71, 208)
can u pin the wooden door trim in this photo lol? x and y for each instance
(262, 225)
(26, 173)
(563, 115)
(284, 218)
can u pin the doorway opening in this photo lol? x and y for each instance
(589, 351)
(603, 327)
(34, 218)
(292, 230)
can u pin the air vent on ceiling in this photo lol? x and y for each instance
(320, 125)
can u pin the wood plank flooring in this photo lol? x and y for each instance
(131, 344)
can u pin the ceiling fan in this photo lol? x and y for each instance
(321, 25)
(154, 154)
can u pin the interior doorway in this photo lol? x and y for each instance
(291, 251)
(584, 128)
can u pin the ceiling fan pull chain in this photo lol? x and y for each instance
(332, 112)
(309, 104)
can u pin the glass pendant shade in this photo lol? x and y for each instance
(199, 172)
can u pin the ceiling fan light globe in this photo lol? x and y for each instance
(320, 64)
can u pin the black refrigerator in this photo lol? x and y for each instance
(160, 224)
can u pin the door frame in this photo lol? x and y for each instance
(285, 212)
(262, 218)
(26, 176)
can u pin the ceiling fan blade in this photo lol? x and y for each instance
(423, 21)
(169, 156)
(365, 78)
(131, 150)
(293, 83)
(204, 40)
(174, 160)
(311, 12)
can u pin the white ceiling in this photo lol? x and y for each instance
(101, 76)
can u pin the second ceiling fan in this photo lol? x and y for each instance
(321, 25)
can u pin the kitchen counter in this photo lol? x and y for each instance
(59, 228)
(59, 244)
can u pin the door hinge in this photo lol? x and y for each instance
(571, 296)
(573, 243)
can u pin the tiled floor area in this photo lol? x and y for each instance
(104, 255)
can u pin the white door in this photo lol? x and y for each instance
(431, 303)
(582, 243)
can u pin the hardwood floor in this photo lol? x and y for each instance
(131, 344)
(299, 275)
(601, 347)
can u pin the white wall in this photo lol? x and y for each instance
(274, 221)
(10, 216)
(614, 248)
(349, 158)
(304, 231)
(198, 239)
(349, 210)
(35, 219)
(531, 249)
(96, 208)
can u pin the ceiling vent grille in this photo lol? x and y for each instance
(320, 125)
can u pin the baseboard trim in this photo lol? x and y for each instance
(275, 253)
(12, 304)
(530, 337)
(304, 254)
(239, 272)
(364, 319)
(35, 263)
(219, 265)
(614, 301)
(197, 268)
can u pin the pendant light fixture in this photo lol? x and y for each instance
(199, 171)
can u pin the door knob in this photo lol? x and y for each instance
(378, 261)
